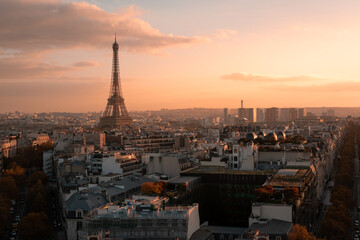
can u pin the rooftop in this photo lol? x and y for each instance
(288, 178)
(273, 227)
(182, 179)
(85, 201)
(223, 170)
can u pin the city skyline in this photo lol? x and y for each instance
(57, 56)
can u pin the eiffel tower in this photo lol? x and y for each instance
(115, 115)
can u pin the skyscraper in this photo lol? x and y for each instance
(271, 114)
(226, 115)
(259, 115)
(115, 115)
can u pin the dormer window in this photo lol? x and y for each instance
(78, 214)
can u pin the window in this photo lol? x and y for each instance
(79, 214)
(235, 150)
(235, 165)
(235, 158)
(78, 225)
(278, 238)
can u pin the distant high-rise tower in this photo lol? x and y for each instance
(271, 114)
(259, 115)
(226, 115)
(115, 115)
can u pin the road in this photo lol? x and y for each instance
(355, 211)
(55, 214)
(18, 210)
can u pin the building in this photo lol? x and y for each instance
(226, 115)
(247, 113)
(259, 115)
(229, 190)
(141, 219)
(153, 143)
(161, 163)
(293, 114)
(242, 156)
(271, 115)
(49, 166)
(301, 113)
(1, 162)
(116, 163)
(8, 147)
(76, 207)
(284, 114)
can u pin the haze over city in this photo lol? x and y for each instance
(57, 55)
(179, 120)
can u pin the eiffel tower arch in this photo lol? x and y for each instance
(115, 115)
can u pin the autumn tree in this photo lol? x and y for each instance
(8, 187)
(37, 176)
(16, 172)
(299, 232)
(5, 205)
(35, 226)
(36, 197)
(332, 229)
(264, 193)
(153, 188)
(291, 193)
(342, 194)
(338, 220)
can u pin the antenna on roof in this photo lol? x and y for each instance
(115, 37)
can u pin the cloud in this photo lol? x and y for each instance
(23, 69)
(49, 25)
(335, 87)
(224, 33)
(86, 64)
(270, 79)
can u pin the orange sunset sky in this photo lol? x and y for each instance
(56, 55)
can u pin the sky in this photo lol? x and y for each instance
(55, 55)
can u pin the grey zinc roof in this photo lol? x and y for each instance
(201, 234)
(121, 186)
(85, 201)
(273, 227)
(182, 179)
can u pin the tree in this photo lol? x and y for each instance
(38, 176)
(332, 229)
(291, 193)
(342, 194)
(4, 214)
(8, 187)
(35, 226)
(299, 232)
(153, 188)
(36, 197)
(264, 193)
(17, 172)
